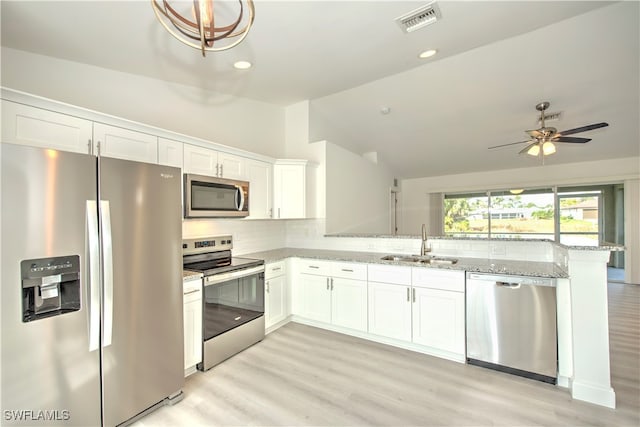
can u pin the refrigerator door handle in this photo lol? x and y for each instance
(107, 266)
(93, 291)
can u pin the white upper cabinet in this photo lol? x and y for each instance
(260, 177)
(125, 144)
(26, 125)
(293, 184)
(170, 153)
(231, 167)
(205, 161)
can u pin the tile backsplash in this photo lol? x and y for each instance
(261, 235)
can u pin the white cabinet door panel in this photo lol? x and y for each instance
(25, 125)
(170, 153)
(289, 191)
(231, 167)
(390, 310)
(275, 302)
(125, 144)
(315, 298)
(349, 303)
(260, 177)
(438, 319)
(192, 317)
(199, 160)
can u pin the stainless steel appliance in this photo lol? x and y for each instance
(511, 325)
(91, 288)
(210, 197)
(233, 298)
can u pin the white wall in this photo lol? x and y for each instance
(415, 192)
(237, 122)
(358, 193)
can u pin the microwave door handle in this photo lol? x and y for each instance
(239, 198)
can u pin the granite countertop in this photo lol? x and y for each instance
(601, 246)
(477, 265)
(190, 275)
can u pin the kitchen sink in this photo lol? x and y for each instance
(420, 259)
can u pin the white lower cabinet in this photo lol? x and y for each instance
(438, 310)
(438, 319)
(275, 289)
(421, 306)
(390, 301)
(332, 293)
(192, 314)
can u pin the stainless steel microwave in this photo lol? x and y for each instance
(211, 197)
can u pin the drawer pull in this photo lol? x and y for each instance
(192, 292)
(276, 269)
(314, 266)
(347, 270)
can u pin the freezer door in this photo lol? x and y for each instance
(49, 374)
(143, 328)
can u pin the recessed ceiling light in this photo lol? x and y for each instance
(242, 65)
(427, 53)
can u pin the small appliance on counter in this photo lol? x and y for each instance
(233, 298)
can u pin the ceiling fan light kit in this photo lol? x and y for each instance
(542, 142)
(199, 31)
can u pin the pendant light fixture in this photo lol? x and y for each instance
(199, 30)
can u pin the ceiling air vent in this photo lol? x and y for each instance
(421, 17)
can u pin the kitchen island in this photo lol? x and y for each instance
(581, 286)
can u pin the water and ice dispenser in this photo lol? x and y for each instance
(50, 286)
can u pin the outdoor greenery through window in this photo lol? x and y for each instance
(567, 216)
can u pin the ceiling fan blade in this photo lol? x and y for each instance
(512, 143)
(583, 129)
(570, 139)
(534, 133)
(525, 149)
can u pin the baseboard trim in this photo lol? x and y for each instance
(604, 396)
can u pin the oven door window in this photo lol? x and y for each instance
(229, 304)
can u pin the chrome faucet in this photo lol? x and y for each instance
(424, 249)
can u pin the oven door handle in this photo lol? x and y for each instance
(224, 277)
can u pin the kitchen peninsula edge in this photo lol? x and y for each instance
(581, 279)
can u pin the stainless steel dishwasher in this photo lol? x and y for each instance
(511, 325)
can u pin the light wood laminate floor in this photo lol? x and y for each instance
(300, 375)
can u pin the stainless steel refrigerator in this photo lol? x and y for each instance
(92, 329)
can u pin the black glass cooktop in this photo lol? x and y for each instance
(217, 266)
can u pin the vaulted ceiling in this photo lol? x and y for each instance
(495, 61)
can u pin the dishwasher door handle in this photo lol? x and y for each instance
(509, 285)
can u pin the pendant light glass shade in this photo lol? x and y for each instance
(197, 27)
(534, 150)
(548, 148)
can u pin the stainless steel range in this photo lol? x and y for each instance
(233, 297)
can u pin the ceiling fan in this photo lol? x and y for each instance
(543, 139)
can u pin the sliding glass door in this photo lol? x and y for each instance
(580, 218)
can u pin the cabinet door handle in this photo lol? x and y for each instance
(90, 146)
(327, 283)
(221, 172)
(278, 212)
(217, 169)
(413, 291)
(332, 283)
(267, 284)
(408, 295)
